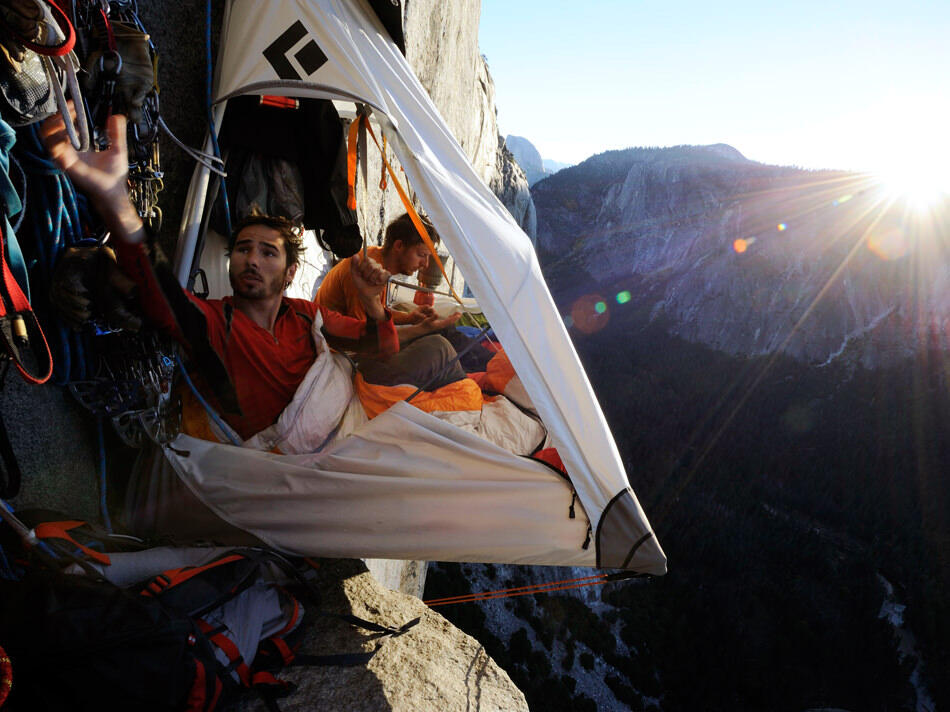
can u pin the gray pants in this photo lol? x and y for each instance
(429, 362)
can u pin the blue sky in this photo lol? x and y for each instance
(862, 86)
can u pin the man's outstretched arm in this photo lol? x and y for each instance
(103, 177)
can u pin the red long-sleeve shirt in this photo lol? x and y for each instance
(265, 368)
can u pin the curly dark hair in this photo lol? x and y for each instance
(289, 230)
(402, 228)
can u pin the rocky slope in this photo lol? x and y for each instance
(746, 257)
(433, 666)
(528, 158)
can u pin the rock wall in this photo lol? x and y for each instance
(528, 158)
(435, 666)
(442, 48)
(50, 433)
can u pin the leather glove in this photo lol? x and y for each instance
(136, 77)
(20, 19)
(88, 284)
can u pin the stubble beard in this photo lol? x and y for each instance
(256, 290)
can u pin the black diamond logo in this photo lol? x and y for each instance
(311, 57)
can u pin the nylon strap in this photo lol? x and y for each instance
(59, 530)
(383, 181)
(58, 50)
(229, 648)
(351, 164)
(14, 300)
(413, 215)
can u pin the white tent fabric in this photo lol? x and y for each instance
(501, 268)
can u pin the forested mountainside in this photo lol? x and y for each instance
(789, 498)
(769, 346)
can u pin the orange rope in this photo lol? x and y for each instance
(413, 215)
(351, 164)
(521, 590)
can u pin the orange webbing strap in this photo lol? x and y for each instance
(60, 530)
(351, 164)
(383, 180)
(413, 215)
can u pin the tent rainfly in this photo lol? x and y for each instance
(407, 485)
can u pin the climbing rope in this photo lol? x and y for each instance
(54, 219)
(563, 585)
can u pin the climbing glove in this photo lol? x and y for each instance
(88, 285)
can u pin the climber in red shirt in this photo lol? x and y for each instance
(261, 337)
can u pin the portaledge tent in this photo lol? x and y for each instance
(407, 485)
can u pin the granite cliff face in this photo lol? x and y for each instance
(435, 666)
(746, 257)
(528, 158)
(442, 48)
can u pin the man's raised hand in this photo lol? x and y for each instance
(96, 173)
(101, 175)
(370, 279)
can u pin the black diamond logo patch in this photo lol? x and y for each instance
(310, 56)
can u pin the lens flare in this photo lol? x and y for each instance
(740, 245)
(921, 184)
(589, 313)
(782, 227)
(842, 199)
(889, 244)
(623, 297)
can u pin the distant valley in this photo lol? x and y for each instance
(750, 258)
(770, 348)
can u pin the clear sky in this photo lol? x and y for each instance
(855, 85)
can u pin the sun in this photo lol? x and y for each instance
(921, 183)
(920, 190)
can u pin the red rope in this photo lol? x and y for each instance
(6, 676)
(110, 35)
(562, 585)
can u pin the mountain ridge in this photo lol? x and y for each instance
(744, 256)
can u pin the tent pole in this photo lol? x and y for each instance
(194, 207)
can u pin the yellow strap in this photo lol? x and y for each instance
(413, 215)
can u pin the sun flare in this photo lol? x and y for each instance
(922, 184)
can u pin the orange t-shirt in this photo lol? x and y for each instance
(338, 292)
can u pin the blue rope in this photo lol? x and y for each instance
(6, 571)
(41, 545)
(57, 219)
(225, 428)
(211, 130)
(103, 505)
